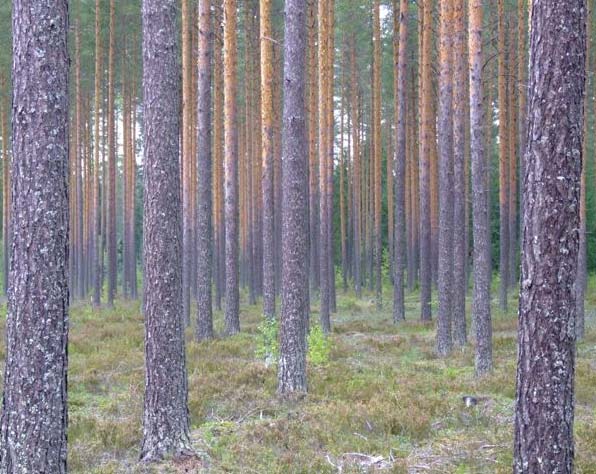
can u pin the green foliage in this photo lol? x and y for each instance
(268, 341)
(319, 346)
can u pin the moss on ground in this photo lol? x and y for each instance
(382, 403)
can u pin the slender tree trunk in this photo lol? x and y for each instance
(324, 279)
(357, 177)
(111, 178)
(378, 148)
(426, 138)
(445, 142)
(550, 243)
(204, 328)
(34, 415)
(480, 208)
(78, 154)
(314, 206)
(295, 304)
(165, 419)
(400, 159)
(459, 177)
(503, 164)
(96, 161)
(232, 309)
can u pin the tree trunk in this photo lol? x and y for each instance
(165, 419)
(34, 414)
(445, 142)
(458, 304)
(232, 309)
(480, 208)
(95, 255)
(503, 164)
(550, 242)
(295, 304)
(378, 148)
(204, 328)
(400, 159)
(356, 173)
(324, 279)
(426, 137)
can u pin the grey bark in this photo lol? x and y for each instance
(34, 412)
(553, 162)
(232, 309)
(458, 304)
(204, 328)
(165, 417)
(295, 240)
(400, 169)
(480, 203)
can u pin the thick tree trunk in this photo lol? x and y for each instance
(550, 242)
(400, 165)
(295, 304)
(480, 209)
(232, 309)
(34, 414)
(204, 328)
(165, 419)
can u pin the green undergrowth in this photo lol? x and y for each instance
(379, 399)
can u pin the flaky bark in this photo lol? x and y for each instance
(295, 303)
(165, 417)
(550, 243)
(204, 328)
(34, 411)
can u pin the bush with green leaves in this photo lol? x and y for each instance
(319, 346)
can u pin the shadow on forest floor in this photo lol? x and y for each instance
(382, 403)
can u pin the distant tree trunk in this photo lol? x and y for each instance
(187, 160)
(34, 414)
(79, 156)
(267, 158)
(356, 195)
(458, 303)
(165, 420)
(324, 279)
(331, 152)
(512, 142)
(295, 305)
(400, 164)
(111, 178)
(480, 208)
(96, 161)
(232, 309)
(503, 163)
(204, 209)
(445, 142)
(218, 185)
(550, 243)
(378, 148)
(313, 97)
(426, 137)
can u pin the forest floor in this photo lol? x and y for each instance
(383, 402)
